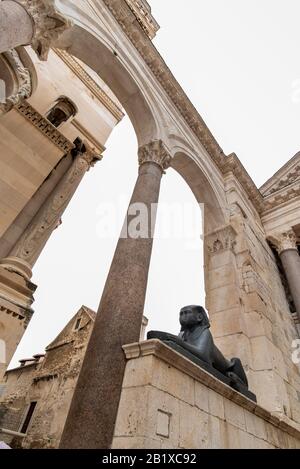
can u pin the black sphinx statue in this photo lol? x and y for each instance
(196, 343)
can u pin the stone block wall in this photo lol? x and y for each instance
(248, 308)
(168, 402)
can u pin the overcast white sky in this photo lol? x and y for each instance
(238, 62)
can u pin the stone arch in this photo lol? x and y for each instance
(204, 189)
(106, 60)
(208, 190)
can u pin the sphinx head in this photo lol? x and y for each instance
(191, 316)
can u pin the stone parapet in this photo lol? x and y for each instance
(168, 402)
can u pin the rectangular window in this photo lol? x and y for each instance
(28, 417)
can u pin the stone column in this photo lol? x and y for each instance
(288, 252)
(24, 22)
(91, 420)
(16, 25)
(30, 245)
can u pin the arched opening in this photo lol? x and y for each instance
(62, 111)
(176, 271)
(112, 70)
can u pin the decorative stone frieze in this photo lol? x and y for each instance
(97, 91)
(142, 11)
(155, 152)
(44, 126)
(23, 82)
(290, 178)
(49, 24)
(232, 164)
(220, 240)
(282, 196)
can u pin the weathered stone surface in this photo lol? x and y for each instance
(219, 417)
(48, 380)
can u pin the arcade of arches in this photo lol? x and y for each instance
(49, 51)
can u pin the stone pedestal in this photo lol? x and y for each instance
(167, 402)
(91, 420)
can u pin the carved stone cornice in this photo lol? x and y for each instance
(23, 82)
(233, 164)
(48, 22)
(284, 241)
(44, 126)
(90, 83)
(142, 11)
(282, 196)
(287, 180)
(155, 152)
(286, 176)
(283, 186)
(220, 240)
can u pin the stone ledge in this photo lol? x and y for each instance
(163, 352)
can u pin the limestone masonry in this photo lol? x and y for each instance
(69, 71)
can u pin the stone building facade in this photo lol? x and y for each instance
(36, 396)
(49, 106)
(251, 235)
(47, 383)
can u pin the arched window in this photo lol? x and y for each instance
(61, 112)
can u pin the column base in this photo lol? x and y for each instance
(17, 265)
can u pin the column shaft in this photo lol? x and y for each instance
(30, 245)
(291, 263)
(16, 26)
(93, 412)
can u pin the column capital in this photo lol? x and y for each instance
(284, 241)
(222, 239)
(23, 88)
(90, 156)
(155, 152)
(48, 24)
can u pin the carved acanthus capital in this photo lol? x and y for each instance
(155, 152)
(220, 240)
(48, 22)
(90, 157)
(22, 83)
(284, 241)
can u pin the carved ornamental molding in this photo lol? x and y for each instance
(49, 24)
(233, 164)
(44, 126)
(221, 240)
(97, 91)
(284, 241)
(283, 186)
(285, 195)
(23, 82)
(287, 180)
(142, 11)
(155, 152)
